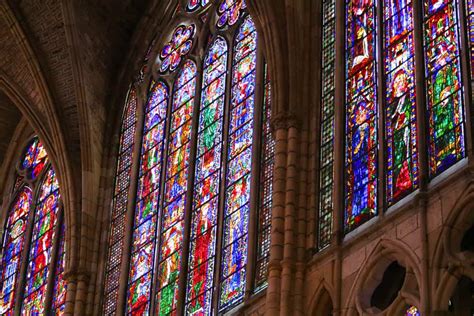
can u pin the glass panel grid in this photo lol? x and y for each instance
(326, 160)
(119, 203)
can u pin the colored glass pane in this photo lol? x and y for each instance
(196, 4)
(361, 114)
(400, 110)
(119, 203)
(13, 244)
(180, 44)
(174, 201)
(146, 209)
(443, 85)
(267, 162)
(326, 151)
(229, 12)
(413, 311)
(239, 166)
(35, 159)
(207, 179)
(41, 248)
(470, 30)
(59, 291)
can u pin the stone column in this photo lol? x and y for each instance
(278, 223)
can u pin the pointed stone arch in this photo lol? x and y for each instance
(369, 277)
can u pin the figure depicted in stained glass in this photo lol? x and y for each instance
(13, 244)
(444, 88)
(361, 114)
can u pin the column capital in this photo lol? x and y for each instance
(77, 275)
(284, 121)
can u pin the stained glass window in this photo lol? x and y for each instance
(413, 311)
(13, 245)
(267, 162)
(239, 166)
(443, 84)
(207, 180)
(35, 159)
(39, 214)
(41, 249)
(195, 177)
(326, 151)
(400, 111)
(174, 196)
(360, 192)
(146, 210)
(59, 291)
(119, 203)
(196, 4)
(470, 31)
(180, 44)
(229, 12)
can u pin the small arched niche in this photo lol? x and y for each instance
(324, 306)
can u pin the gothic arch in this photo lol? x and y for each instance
(449, 262)
(322, 299)
(369, 276)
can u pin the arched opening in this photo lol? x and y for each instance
(391, 283)
(462, 300)
(324, 306)
(467, 242)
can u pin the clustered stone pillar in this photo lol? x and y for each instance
(283, 262)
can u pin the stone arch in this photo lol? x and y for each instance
(322, 302)
(449, 261)
(369, 277)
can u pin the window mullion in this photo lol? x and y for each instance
(420, 96)
(466, 75)
(339, 125)
(222, 184)
(255, 173)
(382, 105)
(21, 283)
(52, 267)
(132, 193)
(188, 208)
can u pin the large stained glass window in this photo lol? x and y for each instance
(146, 211)
(395, 97)
(443, 84)
(360, 192)
(400, 110)
(41, 249)
(189, 249)
(174, 196)
(326, 149)
(39, 213)
(119, 204)
(239, 167)
(13, 245)
(207, 180)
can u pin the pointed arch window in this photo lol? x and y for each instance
(200, 234)
(382, 124)
(32, 239)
